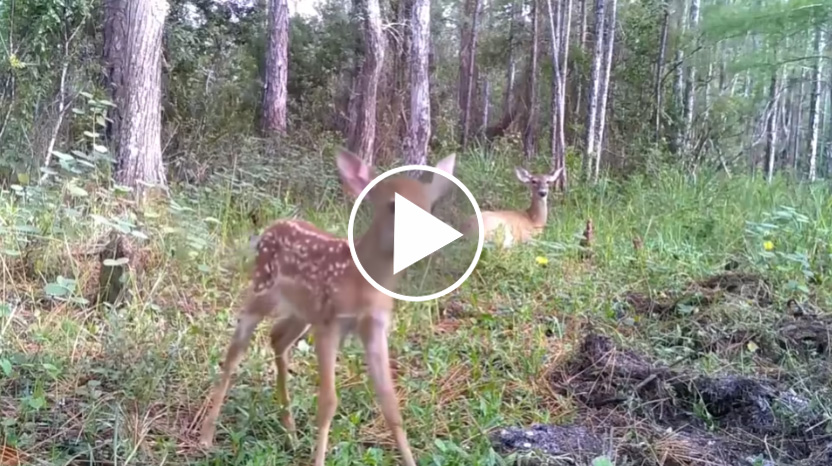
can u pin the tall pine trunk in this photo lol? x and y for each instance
(467, 67)
(658, 95)
(771, 127)
(420, 129)
(530, 131)
(690, 84)
(114, 57)
(139, 156)
(605, 88)
(595, 88)
(273, 119)
(679, 84)
(362, 142)
(815, 103)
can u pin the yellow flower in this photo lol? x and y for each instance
(15, 62)
(768, 245)
(541, 260)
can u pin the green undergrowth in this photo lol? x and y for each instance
(126, 385)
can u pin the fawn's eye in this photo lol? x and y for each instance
(392, 207)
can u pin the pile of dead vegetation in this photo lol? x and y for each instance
(729, 312)
(642, 412)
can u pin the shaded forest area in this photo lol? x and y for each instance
(673, 308)
(742, 88)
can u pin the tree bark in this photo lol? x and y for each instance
(771, 127)
(605, 89)
(595, 87)
(797, 122)
(679, 85)
(420, 129)
(557, 142)
(530, 131)
(690, 83)
(139, 156)
(815, 103)
(467, 65)
(363, 140)
(657, 84)
(273, 119)
(582, 32)
(114, 56)
(511, 69)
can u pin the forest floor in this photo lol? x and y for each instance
(693, 331)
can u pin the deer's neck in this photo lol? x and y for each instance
(376, 262)
(538, 210)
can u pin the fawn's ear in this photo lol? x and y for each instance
(439, 184)
(355, 174)
(552, 177)
(522, 174)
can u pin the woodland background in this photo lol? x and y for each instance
(675, 310)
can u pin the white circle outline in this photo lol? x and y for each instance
(351, 240)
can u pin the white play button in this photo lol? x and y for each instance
(406, 232)
(417, 234)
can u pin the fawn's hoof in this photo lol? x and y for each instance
(206, 439)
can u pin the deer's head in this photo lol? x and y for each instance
(539, 184)
(356, 175)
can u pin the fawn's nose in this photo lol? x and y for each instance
(542, 193)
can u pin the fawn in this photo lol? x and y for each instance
(518, 226)
(306, 278)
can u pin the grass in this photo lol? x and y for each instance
(84, 384)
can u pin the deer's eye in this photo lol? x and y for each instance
(392, 207)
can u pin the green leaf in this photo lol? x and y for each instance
(752, 346)
(99, 148)
(11, 253)
(116, 262)
(37, 402)
(23, 178)
(6, 366)
(92, 135)
(76, 191)
(62, 155)
(100, 219)
(55, 290)
(138, 234)
(602, 461)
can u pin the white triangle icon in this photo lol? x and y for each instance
(417, 234)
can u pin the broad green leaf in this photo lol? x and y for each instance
(76, 191)
(6, 367)
(99, 148)
(56, 290)
(62, 155)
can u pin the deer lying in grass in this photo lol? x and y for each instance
(305, 277)
(518, 226)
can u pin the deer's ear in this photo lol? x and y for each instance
(552, 177)
(522, 174)
(355, 174)
(439, 185)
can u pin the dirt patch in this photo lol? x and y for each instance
(651, 413)
(704, 293)
(694, 418)
(550, 445)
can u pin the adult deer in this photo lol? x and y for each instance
(305, 277)
(518, 226)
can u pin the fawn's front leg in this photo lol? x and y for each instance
(327, 339)
(284, 334)
(373, 333)
(246, 324)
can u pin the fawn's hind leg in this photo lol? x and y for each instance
(285, 332)
(257, 307)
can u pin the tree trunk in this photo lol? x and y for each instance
(595, 86)
(273, 119)
(511, 69)
(657, 84)
(690, 83)
(815, 103)
(467, 64)
(420, 129)
(139, 156)
(679, 85)
(530, 132)
(605, 89)
(771, 127)
(557, 142)
(582, 31)
(363, 140)
(114, 56)
(797, 122)
(486, 103)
